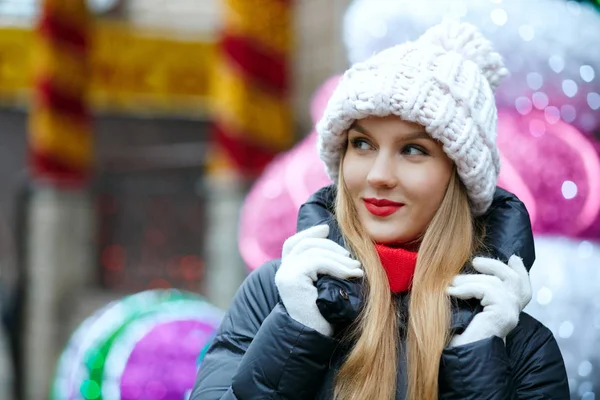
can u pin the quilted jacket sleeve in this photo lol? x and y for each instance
(260, 352)
(529, 366)
(537, 365)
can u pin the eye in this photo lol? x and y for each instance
(360, 144)
(413, 150)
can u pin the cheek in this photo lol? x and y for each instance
(428, 185)
(354, 173)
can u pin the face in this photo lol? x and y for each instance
(396, 175)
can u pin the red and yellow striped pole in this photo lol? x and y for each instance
(60, 136)
(60, 154)
(253, 116)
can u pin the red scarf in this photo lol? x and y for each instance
(399, 265)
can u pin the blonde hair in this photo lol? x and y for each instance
(370, 370)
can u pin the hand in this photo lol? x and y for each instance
(504, 291)
(305, 256)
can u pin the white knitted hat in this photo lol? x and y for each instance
(443, 81)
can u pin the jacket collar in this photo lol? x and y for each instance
(508, 231)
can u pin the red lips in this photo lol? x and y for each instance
(382, 207)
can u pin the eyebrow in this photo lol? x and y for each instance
(409, 136)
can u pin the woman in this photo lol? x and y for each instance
(404, 280)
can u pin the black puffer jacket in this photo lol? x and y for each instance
(260, 352)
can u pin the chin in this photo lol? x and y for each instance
(391, 231)
(383, 236)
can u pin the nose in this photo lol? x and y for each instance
(382, 173)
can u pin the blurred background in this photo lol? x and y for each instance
(154, 152)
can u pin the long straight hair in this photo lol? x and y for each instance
(370, 370)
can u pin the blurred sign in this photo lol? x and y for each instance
(131, 69)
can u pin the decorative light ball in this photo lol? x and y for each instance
(145, 346)
(547, 46)
(554, 169)
(566, 298)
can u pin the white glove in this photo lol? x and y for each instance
(504, 291)
(306, 255)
